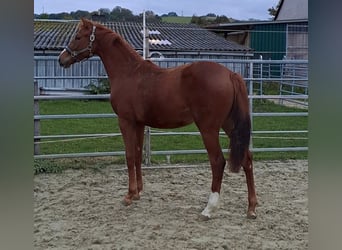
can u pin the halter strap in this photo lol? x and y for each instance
(75, 53)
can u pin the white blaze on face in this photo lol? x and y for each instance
(212, 205)
(62, 52)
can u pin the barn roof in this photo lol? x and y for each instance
(56, 34)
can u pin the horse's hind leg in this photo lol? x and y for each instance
(248, 168)
(217, 162)
(252, 200)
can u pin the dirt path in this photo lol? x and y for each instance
(81, 209)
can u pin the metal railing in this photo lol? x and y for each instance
(246, 67)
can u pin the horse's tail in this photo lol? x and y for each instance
(240, 135)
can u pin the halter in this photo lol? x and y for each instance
(74, 53)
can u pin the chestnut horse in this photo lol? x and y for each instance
(143, 94)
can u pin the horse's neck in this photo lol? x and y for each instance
(117, 57)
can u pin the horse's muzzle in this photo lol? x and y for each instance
(64, 59)
(60, 63)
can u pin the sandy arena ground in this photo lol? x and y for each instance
(82, 209)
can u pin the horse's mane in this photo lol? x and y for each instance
(118, 38)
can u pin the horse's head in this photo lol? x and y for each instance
(81, 45)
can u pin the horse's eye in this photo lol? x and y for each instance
(77, 38)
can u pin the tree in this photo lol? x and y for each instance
(222, 19)
(151, 17)
(209, 19)
(80, 13)
(211, 15)
(273, 11)
(43, 16)
(197, 20)
(172, 13)
(121, 14)
(104, 11)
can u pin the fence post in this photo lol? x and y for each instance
(261, 76)
(147, 146)
(146, 54)
(36, 121)
(251, 101)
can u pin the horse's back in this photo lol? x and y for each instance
(207, 70)
(207, 79)
(208, 90)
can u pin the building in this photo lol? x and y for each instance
(171, 40)
(292, 10)
(286, 36)
(166, 40)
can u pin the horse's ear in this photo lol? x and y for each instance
(85, 22)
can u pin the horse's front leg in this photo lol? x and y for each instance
(128, 130)
(138, 155)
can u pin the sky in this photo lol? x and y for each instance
(237, 9)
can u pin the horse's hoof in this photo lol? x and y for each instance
(251, 215)
(136, 197)
(127, 201)
(204, 217)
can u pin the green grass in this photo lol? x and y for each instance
(177, 19)
(78, 126)
(158, 143)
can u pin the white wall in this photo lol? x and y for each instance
(293, 9)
